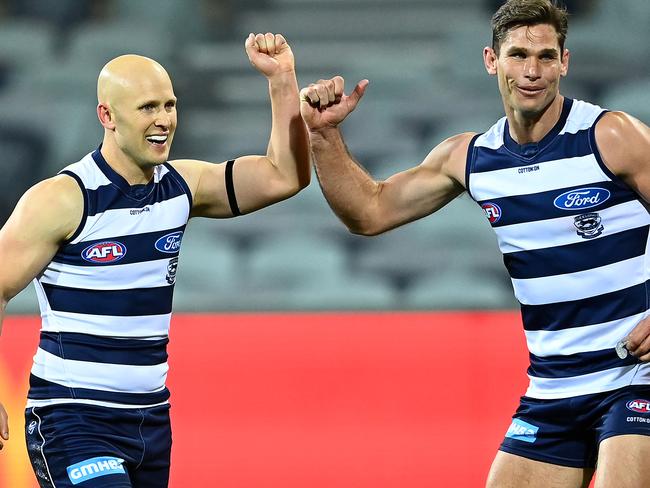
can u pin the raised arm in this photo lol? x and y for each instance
(367, 206)
(258, 181)
(45, 216)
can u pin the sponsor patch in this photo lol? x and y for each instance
(139, 211)
(104, 252)
(94, 468)
(638, 420)
(582, 198)
(170, 243)
(638, 406)
(528, 169)
(522, 431)
(492, 212)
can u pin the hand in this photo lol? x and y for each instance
(638, 341)
(324, 104)
(4, 425)
(269, 53)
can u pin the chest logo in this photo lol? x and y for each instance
(492, 212)
(582, 198)
(588, 225)
(172, 267)
(104, 252)
(639, 406)
(170, 243)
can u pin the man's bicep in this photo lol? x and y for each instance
(207, 183)
(43, 218)
(422, 190)
(415, 193)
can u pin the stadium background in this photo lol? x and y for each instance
(324, 359)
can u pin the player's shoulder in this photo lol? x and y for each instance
(60, 192)
(54, 205)
(623, 141)
(450, 156)
(616, 125)
(455, 146)
(451, 151)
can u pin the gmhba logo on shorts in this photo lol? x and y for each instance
(94, 468)
(581, 198)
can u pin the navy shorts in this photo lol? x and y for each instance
(87, 446)
(568, 431)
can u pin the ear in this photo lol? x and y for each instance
(490, 59)
(105, 116)
(565, 63)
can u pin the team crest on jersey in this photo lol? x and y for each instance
(107, 252)
(172, 267)
(588, 225)
(492, 212)
(170, 243)
(581, 198)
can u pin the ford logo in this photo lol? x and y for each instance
(582, 198)
(170, 243)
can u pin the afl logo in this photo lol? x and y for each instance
(639, 406)
(581, 198)
(492, 211)
(104, 252)
(170, 243)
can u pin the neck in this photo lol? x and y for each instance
(124, 165)
(526, 128)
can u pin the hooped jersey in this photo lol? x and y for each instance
(574, 239)
(106, 296)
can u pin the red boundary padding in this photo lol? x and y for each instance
(354, 400)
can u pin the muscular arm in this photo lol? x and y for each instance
(367, 206)
(624, 144)
(265, 179)
(45, 216)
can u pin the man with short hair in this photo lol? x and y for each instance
(565, 185)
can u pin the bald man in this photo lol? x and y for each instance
(101, 241)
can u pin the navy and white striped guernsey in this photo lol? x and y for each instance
(574, 239)
(106, 296)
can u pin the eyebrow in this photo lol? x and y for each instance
(156, 102)
(517, 49)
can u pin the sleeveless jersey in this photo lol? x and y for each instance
(574, 239)
(106, 296)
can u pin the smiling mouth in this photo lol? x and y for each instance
(530, 91)
(159, 140)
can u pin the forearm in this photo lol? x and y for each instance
(288, 148)
(349, 189)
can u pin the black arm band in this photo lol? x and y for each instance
(230, 189)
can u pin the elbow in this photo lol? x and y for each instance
(303, 181)
(297, 185)
(364, 228)
(289, 188)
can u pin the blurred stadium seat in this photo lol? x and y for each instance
(427, 82)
